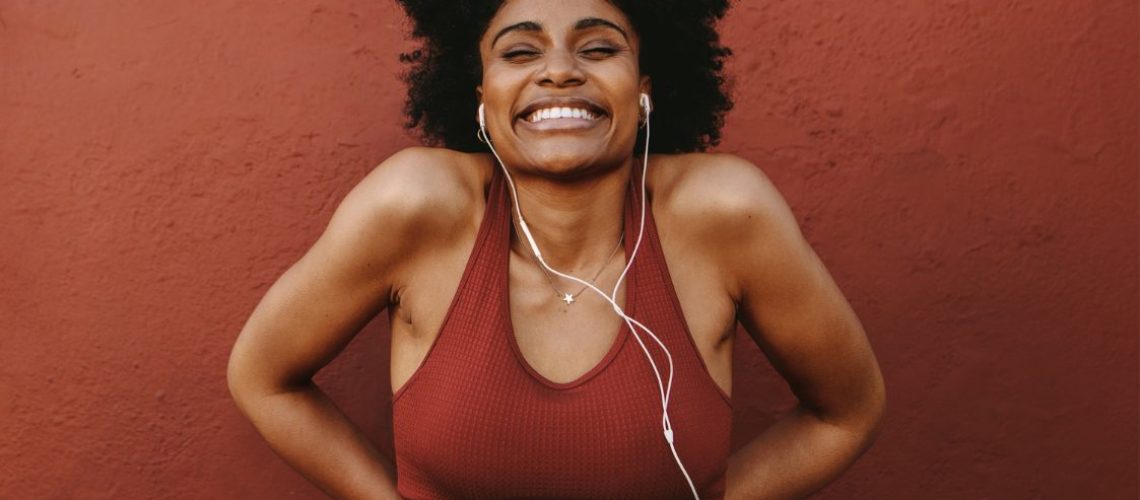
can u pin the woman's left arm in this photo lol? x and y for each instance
(794, 311)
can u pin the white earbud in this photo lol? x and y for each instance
(481, 134)
(646, 103)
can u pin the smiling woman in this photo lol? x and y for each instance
(678, 46)
(564, 278)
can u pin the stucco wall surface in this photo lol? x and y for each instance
(967, 169)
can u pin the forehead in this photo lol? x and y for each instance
(555, 15)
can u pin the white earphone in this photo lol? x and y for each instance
(665, 387)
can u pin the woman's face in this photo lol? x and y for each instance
(561, 85)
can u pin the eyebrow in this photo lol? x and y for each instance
(523, 26)
(582, 24)
(593, 22)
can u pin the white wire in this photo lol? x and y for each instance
(665, 389)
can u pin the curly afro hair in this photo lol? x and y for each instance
(680, 51)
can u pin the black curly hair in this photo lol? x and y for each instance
(680, 51)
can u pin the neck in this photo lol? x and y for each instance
(575, 223)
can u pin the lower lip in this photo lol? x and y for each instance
(560, 124)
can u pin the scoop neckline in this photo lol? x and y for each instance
(611, 354)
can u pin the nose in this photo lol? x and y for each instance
(561, 70)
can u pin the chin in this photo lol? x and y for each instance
(567, 162)
(569, 157)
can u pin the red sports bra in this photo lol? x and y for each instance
(476, 420)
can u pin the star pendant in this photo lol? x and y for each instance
(568, 298)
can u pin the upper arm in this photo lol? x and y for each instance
(789, 304)
(344, 279)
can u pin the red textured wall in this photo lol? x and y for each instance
(967, 169)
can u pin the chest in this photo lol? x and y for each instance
(563, 341)
(516, 397)
(479, 421)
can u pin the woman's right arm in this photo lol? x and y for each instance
(310, 314)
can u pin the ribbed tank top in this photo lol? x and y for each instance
(476, 420)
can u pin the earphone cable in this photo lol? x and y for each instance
(664, 388)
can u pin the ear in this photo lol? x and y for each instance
(646, 100)
(479, 99)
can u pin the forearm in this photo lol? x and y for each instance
(313, 436)
(793, 458)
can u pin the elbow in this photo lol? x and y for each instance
(871, 423)
(251, 379)
(241, 381)
(861, 421)
(235, 378)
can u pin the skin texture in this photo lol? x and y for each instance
(401, 238)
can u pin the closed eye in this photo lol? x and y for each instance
(520, 55)
(600, 52)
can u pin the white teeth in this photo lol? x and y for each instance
(559, 112)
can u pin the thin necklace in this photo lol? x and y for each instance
(567, 297)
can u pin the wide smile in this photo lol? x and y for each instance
(552, 115)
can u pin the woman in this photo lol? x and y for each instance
(550, 337)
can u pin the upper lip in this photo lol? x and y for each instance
(568, 101)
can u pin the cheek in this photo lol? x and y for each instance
(499, 98)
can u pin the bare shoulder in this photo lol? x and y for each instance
(417, 199)
(419, 185)
(726, 208)
(721, 191)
